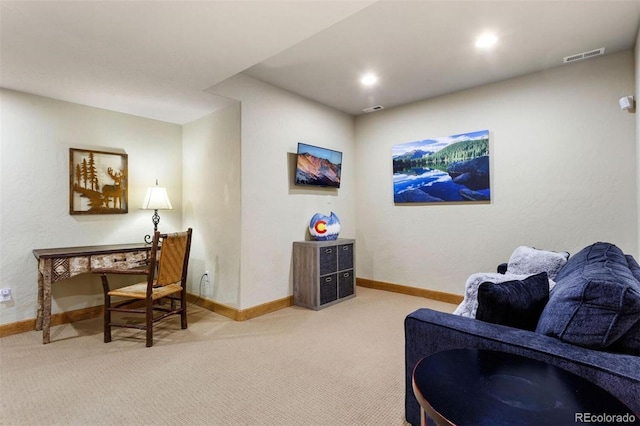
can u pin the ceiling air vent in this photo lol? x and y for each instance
(583, 55)
(373, 108)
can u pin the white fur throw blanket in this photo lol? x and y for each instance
(530, 261)
(524, 262)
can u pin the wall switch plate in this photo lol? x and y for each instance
(5, 294)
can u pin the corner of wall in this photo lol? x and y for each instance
(637, 96)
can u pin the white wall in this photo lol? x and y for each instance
(637, 115)
(563, 166)
(564, 174)
(237, 194)
(36, 136)
(211, 203)
(275, 212)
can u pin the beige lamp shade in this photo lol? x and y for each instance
(156, 199)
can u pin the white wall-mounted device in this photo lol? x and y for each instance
(626, 103)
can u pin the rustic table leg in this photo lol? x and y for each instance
(40, 295)
(46, 301)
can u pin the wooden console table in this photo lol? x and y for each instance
(57, 264)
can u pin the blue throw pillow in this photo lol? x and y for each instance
(596, 300)
(516, 303)
(633, 266)
(630, 342)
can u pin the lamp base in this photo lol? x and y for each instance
(156, 220)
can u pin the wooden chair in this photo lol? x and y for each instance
(170, 258)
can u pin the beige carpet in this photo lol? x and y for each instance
(343, 365)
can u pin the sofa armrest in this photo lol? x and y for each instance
(428, 331)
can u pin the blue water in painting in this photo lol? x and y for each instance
(436, 183)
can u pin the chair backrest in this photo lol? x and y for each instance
(174, 257)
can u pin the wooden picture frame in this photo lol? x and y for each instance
(98, 182)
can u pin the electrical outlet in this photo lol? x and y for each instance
(5, 294)
(206, 277)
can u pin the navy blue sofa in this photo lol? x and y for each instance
(428, 331)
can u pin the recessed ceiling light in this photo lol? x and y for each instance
(369, 79)
(486, 40)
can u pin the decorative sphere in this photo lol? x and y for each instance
(323, 227)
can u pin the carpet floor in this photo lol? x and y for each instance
(343, 365)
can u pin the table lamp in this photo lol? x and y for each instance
(156, 199)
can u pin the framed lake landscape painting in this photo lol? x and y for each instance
(444, 169)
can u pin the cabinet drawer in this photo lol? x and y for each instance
(345, 284)
(345, 256)
(328, 260)
(328, 288)
(134, 259)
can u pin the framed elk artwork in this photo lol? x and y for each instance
(97, 182)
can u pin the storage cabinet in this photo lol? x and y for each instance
(323, 272)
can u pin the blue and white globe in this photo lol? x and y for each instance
(323, 228)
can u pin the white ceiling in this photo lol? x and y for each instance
(157, 59)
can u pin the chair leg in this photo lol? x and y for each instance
(149, 316)
(107, 318)
(107, 311)
(183, 307)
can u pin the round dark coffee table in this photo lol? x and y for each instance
(482, 387)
